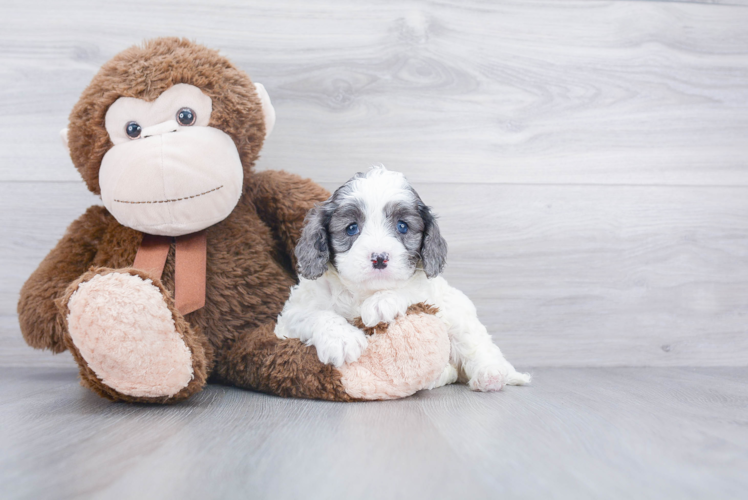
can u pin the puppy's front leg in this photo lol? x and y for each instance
(383, 306)
(337, 341)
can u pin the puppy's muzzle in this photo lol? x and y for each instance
(379, 260)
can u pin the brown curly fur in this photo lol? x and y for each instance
(41, 324)
(250, 254)
(287, 368)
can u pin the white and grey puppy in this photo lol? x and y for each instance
(371, 250)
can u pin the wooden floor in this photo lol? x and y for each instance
(589, 164)
(575, 433)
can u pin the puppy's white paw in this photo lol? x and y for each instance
(340, 343)
(383, 306)
(489, 379)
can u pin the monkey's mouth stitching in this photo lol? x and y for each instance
(170, 201)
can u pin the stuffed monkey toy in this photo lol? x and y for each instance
(178, 279)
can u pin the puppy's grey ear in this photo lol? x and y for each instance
(433, 247)
(312, 252)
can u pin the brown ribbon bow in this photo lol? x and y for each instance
(190, 262)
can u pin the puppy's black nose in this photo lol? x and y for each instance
(379, 260)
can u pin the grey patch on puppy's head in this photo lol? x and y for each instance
(406, 210)
(346, 213)
(316, 248)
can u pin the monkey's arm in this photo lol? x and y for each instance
(282, 201)
(41, 323)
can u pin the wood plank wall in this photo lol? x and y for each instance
(589, 160)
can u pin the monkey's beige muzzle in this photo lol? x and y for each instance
(172, 181)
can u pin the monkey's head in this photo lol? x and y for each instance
(167, 134)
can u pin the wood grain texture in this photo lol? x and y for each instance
(511, 92)
(579, 276)
(588, 159)
(588, 162)
(575, 433)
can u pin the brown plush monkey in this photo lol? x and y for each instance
(180, 277)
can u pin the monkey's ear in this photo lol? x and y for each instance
(268, 112)
(64, 137)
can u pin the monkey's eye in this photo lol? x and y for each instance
(352, 230)
(132, 129)
(186, 117)
(402, 227)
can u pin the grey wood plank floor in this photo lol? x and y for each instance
(575, 433)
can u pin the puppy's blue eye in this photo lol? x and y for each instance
(402, 227)
(352, 230)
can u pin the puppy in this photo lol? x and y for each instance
(372, 249)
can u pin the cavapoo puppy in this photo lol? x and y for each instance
(369, 251)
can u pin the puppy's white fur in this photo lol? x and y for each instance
(319, 310)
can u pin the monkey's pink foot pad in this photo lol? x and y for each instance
(409, 356)
(125, 331)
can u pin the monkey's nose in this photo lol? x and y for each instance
(379, 260)
(161, 128)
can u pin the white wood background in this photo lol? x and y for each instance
(589, 160)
